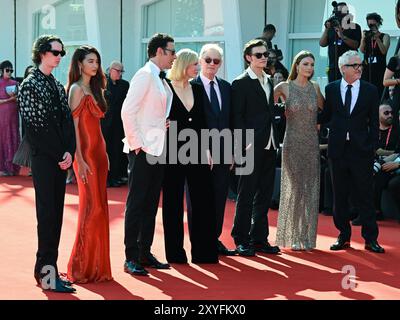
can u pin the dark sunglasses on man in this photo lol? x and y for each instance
(259, 55)
(56, 53)
(208, 60)
(386, 113)
(7, 70)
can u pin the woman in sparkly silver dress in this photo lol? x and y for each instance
(299, 202)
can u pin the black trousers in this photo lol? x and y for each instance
(351, 167)
(49, 184)
(118, 160)
(221, 180)
(145, 182)
(203, 218)
(254, 197)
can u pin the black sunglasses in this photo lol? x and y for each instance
(56, 53)
(9, 70)
(172, 51)
(386, 113)
(259, 55)
(209, 60)
(355, 66)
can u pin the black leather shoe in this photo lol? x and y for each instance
(224, 251)
(62, 279)
(245, 251)
(374, 247)
(113, 184)
(266, 248)
(59, 286)
(152, 262)
(340, 245)
(135, 269)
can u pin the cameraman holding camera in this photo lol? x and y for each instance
(340, 36)
(387, 163)
(375, 46)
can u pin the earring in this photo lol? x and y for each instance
(80, 71)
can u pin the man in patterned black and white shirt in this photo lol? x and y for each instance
(50, 133)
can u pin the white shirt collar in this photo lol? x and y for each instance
(253, 75)
(355, 84)
(154, 68)
(207, 81)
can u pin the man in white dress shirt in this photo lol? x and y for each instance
(144, 115)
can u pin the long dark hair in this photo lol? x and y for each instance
(97, 83)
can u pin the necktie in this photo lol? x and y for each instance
(214, 99)
(162, 75)
(347, 101)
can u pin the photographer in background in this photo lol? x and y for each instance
(375, 46)
(340, 35)
(387, 163)
(274, 62)
(268, 34)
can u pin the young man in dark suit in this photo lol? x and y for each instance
(352, 110)
(217, 107)
(252, 107)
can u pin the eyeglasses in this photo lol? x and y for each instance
(355, 66)
(386, 113)
(9, 70)
(56, 53)
(209, 60)
(259, 55)
(118, 70)
(173, 52)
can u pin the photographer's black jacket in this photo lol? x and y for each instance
(44, 109)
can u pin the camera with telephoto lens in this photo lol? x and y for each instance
(379, 162)
(337, 16)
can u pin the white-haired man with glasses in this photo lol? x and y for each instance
(352, 110)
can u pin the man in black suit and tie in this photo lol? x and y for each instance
(252, 107)
(217, 107)
(352, 109)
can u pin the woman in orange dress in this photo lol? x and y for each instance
(90, 258)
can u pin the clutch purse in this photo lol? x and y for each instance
(23, 155)
(11, 90)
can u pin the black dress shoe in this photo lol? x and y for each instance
(224, 251)
(266, 248)
(62, 279)
(135, 269)
(152, 262)
(59, 286)
(245, 251)
(340, 245)
(374, 247)
(113, 184)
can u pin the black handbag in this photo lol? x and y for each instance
(23, 155)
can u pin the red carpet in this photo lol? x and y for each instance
(291, 275)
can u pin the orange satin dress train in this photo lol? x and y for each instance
(90, 258)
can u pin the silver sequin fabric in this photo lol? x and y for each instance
(300, 178)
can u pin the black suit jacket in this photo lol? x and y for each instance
(362, 124)
(222, 120)
(252, 110)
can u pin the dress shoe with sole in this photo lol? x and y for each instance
(340, 245)
(135, 269)
(224, 251)
(152, 262)
(59, 286)
(266, 248)
(374, 246)
(245, 251)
